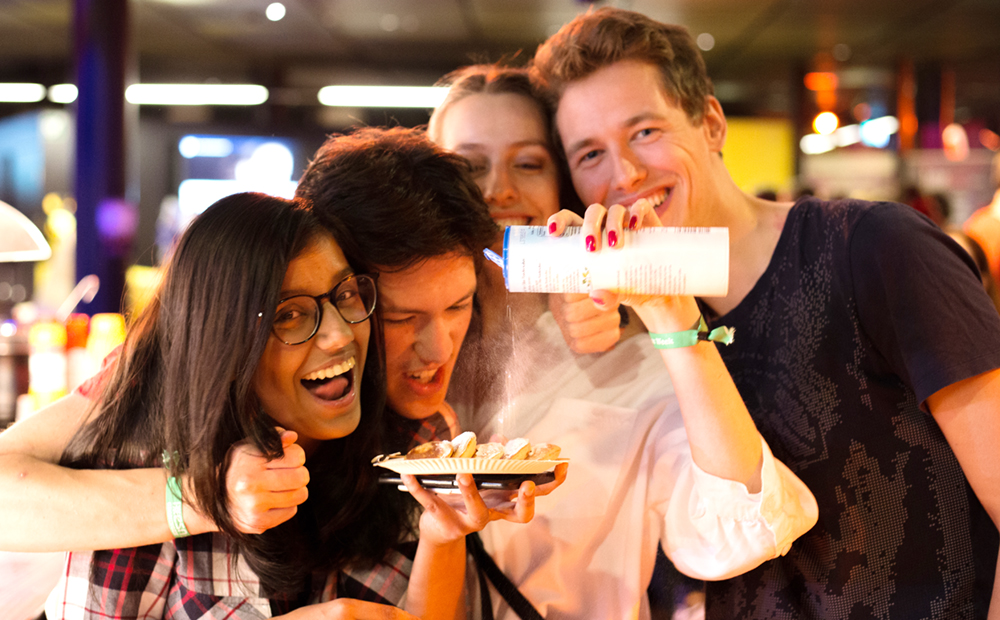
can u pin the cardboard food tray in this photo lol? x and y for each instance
(419, 467)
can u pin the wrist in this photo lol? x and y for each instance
(196, 522)
(698, 332)
(668, 314)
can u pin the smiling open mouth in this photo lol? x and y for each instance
(427, 376)
(657, 199)
(331, 383)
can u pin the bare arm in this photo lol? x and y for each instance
(48, 507)
(967, 414)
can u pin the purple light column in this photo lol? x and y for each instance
(101, 39)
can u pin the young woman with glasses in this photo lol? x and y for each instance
(255, 370)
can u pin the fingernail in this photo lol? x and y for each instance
(591, 243)
(632, 223)
(598, 301)
(529, 491)
(552, 228)
(612, 238)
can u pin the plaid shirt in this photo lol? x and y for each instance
(199, 577)
(196, 578)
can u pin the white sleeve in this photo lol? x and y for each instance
(715, 529)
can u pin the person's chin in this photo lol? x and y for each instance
(344, 424)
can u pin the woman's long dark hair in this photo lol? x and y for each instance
(183, 386)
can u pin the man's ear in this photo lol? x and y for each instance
(714, 124)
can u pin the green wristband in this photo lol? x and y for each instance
(691, 337)
(175, 509)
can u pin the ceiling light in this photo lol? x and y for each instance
(20, 92)
(705, 41)
(63, 93)
(275, 11)
(196, 94)
(383, 96)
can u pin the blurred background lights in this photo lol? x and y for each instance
(269, 162)
(204, 146)
(389, 22)
(382, 96)
(705, 41)
(826, 123)
(876, 132)
(196, 94)
(862, 112)
(989, 139)
(62, 93)
(814, 144)
(841, 52)
(275, 11)
(21, 92)
(955, 142)
(820, 80)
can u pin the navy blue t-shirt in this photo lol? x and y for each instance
(865, 310)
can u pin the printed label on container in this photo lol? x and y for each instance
(651, 261)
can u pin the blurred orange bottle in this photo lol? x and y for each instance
(78, 366)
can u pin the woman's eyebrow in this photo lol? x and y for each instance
(337, 278)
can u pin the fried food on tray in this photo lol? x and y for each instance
(544, 452)
(431, 450)
(516, 449)
(465, 446)
(491, 450)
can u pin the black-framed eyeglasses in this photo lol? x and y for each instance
(297, 318)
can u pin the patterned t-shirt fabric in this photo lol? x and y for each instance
(864, 311)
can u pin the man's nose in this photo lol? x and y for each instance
(434, 343)
(629, 172)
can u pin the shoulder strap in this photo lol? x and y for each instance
(518, 603)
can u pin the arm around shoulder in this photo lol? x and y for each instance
(47, 507)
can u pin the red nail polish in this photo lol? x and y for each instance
(598, 301)
(612, 238)
(552, 228)
(591, 243)
(632, 223)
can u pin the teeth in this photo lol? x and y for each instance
(657, 199)
(331, 371)
(504, 222)
(425, 376)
